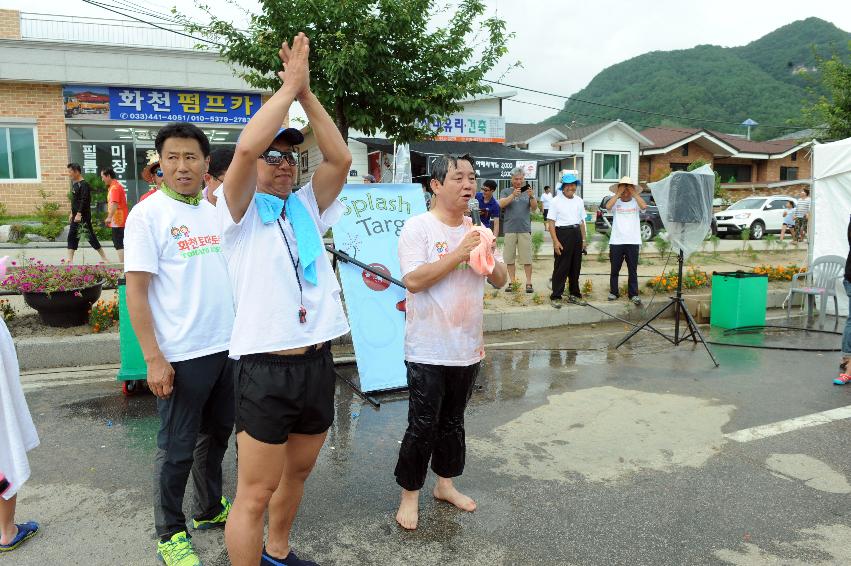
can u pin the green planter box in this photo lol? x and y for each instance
(738, 299)
(133, 366)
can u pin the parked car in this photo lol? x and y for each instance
(651, 222)
(760, 215)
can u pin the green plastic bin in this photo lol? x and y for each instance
(133, 366)
(738, 299)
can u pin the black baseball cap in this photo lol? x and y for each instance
(290, 135)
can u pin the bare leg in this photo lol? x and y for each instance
(302, 451)
(511, 273)
(409, 507)
(259, 472)
(8, 530)
(70, 255)
(445, 490)
(528, 269)
(102, 255)
(120, 256)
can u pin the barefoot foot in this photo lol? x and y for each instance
(408, 513)
(445, 491)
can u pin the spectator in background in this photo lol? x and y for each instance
(214, 177)
(566, 224)
(117, 210)
(17, 437)
(625, 241)
(802, 216)
(368, 179)
(153, 175)
(788, 221)
(844, 375)
(517, 205)
(488, 206)
(546, 199)
(81, 213)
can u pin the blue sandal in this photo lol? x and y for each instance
(26, 531)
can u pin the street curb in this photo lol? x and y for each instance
(103, 349)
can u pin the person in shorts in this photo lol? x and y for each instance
(288, 309)
(517, 206)
(116, 214)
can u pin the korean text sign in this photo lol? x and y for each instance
(369, 232)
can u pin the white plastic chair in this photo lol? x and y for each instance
(819, 280)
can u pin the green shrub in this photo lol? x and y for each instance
(537, 242)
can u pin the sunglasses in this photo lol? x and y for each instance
(276, 157)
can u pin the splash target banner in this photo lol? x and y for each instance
(369, 232)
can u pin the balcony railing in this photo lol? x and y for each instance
(104, 31)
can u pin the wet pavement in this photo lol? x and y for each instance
(578, 454)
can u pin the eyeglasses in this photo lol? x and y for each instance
(276, 157)
(216, 178)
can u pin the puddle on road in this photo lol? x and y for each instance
(605, 433)
(823, 545)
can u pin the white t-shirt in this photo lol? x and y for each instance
(190, 294)
(546, 199)
(265, 289)
(626, 223)
(443, 324)
(566, 211)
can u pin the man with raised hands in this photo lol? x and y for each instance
(288, 309)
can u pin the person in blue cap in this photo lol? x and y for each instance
(288, 309)
(566, 224)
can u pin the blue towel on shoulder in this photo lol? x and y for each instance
(310, 247)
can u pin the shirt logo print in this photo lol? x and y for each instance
(442, 248)
(178, 233)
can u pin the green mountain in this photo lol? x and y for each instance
(765, 80)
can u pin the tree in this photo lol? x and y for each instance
(833, 110)
(375, 64)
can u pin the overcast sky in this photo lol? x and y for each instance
(563, 44)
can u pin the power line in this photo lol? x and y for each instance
(110, 9)
(780, 144)
(626, 109)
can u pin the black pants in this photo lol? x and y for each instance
(195, 425)
(438, 397)
(618, 253)
(567, 265)
(118, 238)
(74, 234)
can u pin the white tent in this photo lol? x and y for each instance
(831, 206)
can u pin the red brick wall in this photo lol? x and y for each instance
(44, 103)
(650, 164)
(10, 24)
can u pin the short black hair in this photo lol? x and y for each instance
(807, 191)
(182, 130)
(546, 187)
(490, 183)
(109, 171)
(76, 167)
(440, 166)
(220, 161)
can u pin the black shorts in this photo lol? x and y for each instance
(277, 395)
(118, 238)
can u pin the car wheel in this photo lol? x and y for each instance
(757, 230)
(646, 231)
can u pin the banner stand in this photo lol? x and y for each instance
(346, 258)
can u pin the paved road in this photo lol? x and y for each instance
(578, 454)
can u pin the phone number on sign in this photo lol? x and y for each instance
(184, 118)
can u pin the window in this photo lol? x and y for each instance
(788, 173)
(304, 163)
(18, 159)
(777, 205)
(679, 166)
(794, 156)
(609, 166)
(684, 151)
(734, 173)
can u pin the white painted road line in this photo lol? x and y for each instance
(773, 429)
(509, 343)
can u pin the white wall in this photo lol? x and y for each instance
(488, 107)
(314, 158)
(543, 144)
(612, 139)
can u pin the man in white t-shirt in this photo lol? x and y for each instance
(288, 309)
(172, 253)
(625, 240)
(566, 224)
(444, 344)
(546, 199)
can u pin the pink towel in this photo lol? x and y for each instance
(481, 258)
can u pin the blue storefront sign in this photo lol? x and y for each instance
(159, 105)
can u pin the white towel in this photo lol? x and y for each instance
(17, 432)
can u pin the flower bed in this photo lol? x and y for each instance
(779, 272)
(35, 276)
(693, 278)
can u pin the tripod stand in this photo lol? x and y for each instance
(679, 306)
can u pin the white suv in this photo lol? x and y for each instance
(761, 215)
